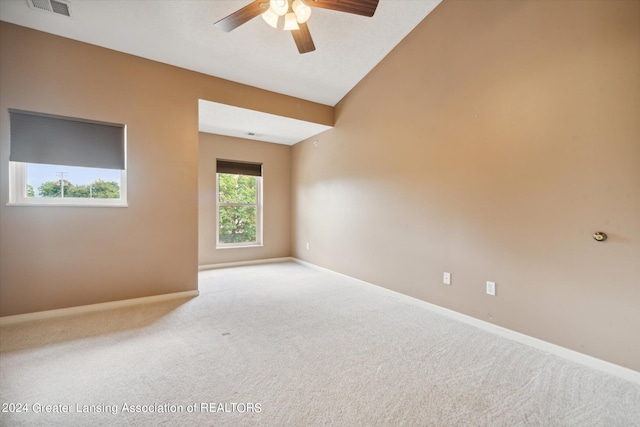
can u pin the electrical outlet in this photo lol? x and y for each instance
(446, 278)
(307, 245)
(491, 288)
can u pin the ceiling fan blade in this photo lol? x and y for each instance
(303, 39)
(243, 15)
(358, 7)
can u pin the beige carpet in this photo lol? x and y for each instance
(284, 344)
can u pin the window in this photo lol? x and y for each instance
(64, 161)
(239, 200)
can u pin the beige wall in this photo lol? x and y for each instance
(491, 144)
(276, 173)
(56, 257)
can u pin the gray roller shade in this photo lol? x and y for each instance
(56, 140)
(239, 168)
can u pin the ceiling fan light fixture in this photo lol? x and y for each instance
(302, 11)
(290, 22)
(279, 7)
(295, 12)
(271, 18)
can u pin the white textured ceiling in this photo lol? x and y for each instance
(239, 122)
(181, 33)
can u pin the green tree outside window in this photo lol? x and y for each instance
(98, 189)
(238, 208)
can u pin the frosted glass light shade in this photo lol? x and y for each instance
(302, 11)
(271, 18)
(280, 7)
(290, 22)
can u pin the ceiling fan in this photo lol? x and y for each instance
(296, 13)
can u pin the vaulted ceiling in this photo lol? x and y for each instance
(181, 33)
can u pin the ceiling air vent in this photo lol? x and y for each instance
(52, 6)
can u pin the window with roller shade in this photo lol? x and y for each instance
(239, 204)
(65, 161)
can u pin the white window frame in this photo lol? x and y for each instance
(258, 205)
(18, 192)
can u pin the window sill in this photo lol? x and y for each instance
(253, 245)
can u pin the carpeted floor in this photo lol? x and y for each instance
(284, 344)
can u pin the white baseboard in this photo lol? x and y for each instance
(572, 355)
(243, 263)
(547, 347)
(7, 320)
